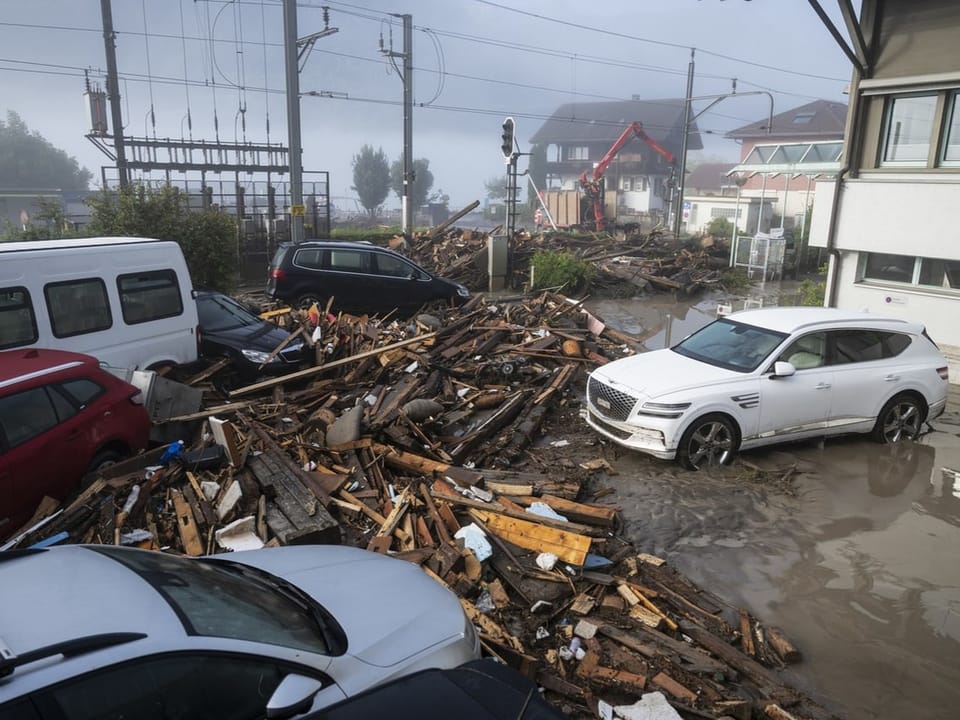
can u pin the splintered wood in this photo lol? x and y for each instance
(416, 439)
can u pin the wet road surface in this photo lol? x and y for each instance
(856, 556)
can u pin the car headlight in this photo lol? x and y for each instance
(666, 410)
(256, 356)
(462, 291)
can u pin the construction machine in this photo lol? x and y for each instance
(591, 181)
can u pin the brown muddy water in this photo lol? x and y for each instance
(856, 557)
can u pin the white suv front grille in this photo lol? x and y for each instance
(608, 401)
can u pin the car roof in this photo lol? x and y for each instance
(792, 319)
(343, 244)
(57, 594)
(21, 366)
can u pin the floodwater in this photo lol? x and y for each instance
(856, 557)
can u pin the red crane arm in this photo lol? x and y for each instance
(634, 128)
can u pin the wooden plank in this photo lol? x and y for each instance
(578, 512)
(309, 372)
(567, 546)
(673, 687)
(186, 525)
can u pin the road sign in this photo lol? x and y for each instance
(298, 210)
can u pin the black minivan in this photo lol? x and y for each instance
(358, 277)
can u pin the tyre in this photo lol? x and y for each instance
(710, 441)
(307, 299)
(901, 419)
(103, 459)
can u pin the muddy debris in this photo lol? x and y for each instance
(418, 438)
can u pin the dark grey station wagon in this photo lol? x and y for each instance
(359, 277)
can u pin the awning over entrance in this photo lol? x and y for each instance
(794, 159)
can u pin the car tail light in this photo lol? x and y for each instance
(278, 274)
(944, 373)
(199, 338)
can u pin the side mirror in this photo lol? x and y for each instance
(782, 369)
(294, 695)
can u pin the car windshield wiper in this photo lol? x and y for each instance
(289, 591)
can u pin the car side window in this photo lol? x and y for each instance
(853, 345)
(169, 687)
(310, 258)
(78, 306)
(65, 405)
(82, 390)
(350, 261)
(895, 343)
(18, 324)
(149, 296)
(19, 710)
(395, 267)
(26, 414)
(806, 352)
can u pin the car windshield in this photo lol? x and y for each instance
(218, 313)
(731, 345)
(231, 600)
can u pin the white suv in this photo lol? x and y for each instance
(765, 376)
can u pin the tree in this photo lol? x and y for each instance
(28, 161)
(720, 227)
(48, 223)
(208, 238)
(422, 181)
(496, 188)
(371, 178)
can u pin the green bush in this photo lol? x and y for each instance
(720, 227)
(560, 269)
(813, 292)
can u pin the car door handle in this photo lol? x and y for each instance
(891, 378)
(822, 386)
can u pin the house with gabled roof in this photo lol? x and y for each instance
(780, 141)
(578, 135)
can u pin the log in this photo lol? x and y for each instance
(579, 512)
(567, 546)
(782, 645)
(186, 525)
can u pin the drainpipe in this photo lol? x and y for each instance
(853, 149)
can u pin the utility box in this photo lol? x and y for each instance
(498, 248)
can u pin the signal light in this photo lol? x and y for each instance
(506, 137)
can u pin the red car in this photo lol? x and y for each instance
(61, 417)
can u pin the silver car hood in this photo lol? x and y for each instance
(389, 609)
(659, 372)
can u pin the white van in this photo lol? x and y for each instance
(126, 301)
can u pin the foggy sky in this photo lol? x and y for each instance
(475, 62)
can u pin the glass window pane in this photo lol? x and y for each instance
(77, 307)
(884, 266)
(909, 126)
(18, 325)
(25, 415)
(349, 261)
(308, 258)
(857, 346)
(951, 140)
(149, 296)
(732, 345)
(394, 267)
(806, 352)
(82, 390)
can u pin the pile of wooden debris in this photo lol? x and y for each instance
(416, 439)
(641, 262)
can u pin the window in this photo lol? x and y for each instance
(149, 296)
(908, 130)
(803, 118)
(578, 152)
(82, 390)
(25, 415)
(350, 261)
(77, 307)
(951, 136)
(395, 267)
(724, 212)
(227, 599)
(858, 346)
(884, 266)
(732, 345)
(311, 258)
(918, 271)
(806, 352)
(170, 687)
(18, 325)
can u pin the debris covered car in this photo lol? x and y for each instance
(227, 329)
(765, 376)
(356, 277)
(62, 416)
(109, 631)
